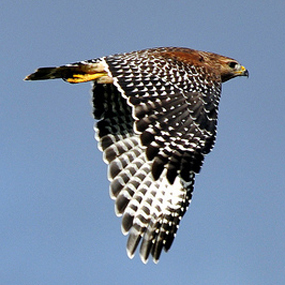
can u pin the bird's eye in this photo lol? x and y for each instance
(233, 64)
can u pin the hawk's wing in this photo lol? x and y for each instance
(156, 123)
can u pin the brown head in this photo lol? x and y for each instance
(224, 67)
(227, 67)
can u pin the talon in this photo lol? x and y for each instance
(79, 78)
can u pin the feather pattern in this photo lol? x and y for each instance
(154, 138)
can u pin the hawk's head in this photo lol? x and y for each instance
(227, 67)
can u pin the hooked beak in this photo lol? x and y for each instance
(243, 71)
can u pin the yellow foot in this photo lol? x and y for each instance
(79, 78)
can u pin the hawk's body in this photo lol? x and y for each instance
(157, 112)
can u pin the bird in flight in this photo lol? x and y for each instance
(157, 113)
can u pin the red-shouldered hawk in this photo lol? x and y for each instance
(157, 111)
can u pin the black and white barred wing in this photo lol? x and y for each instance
(151, 208)
(154, 133)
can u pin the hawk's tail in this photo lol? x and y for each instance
(49, 73)
(73, 73)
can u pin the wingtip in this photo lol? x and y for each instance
(130, 254)
(144, 258)
(144, 261)
(155, 261)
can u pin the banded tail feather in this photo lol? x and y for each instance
(73, 73)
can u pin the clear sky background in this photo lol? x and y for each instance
(57, 221)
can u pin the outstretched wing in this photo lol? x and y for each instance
(156, 123)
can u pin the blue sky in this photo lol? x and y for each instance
(57, 221)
